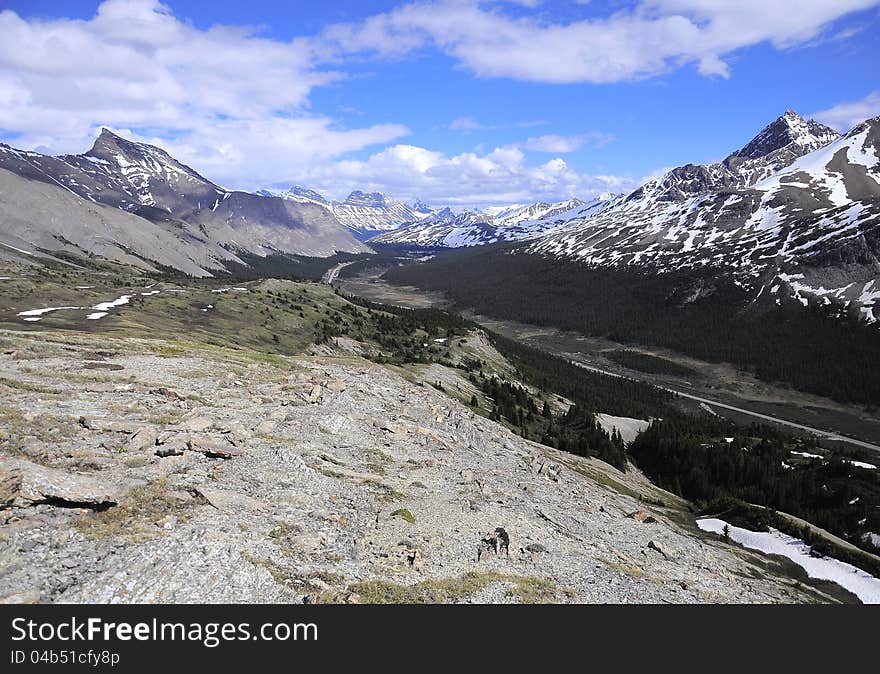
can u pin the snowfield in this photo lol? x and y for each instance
(36, 314)
(865, 586)
(106, 306)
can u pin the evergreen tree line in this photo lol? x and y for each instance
(708, 460)
(702, 314)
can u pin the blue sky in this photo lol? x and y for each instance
(456, 102)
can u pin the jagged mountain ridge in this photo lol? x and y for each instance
(809, 230)
(206, 225)
(447, 229)
(364, 213)
(775, 147)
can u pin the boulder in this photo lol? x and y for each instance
(23, 483)
(196, 424)
(657, 547)
(642, 516)
(144, 437)
(265, 427)
(212, 449)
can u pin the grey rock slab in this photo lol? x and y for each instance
(26, 483)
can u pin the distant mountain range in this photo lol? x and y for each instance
(794, 213)
(446, 229)
(365, 214)
(134, 203)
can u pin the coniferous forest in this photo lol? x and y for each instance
(714, 462)
(703, 315)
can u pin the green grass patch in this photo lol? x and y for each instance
(526, 589)
(404, 514)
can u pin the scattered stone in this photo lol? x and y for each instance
(196, 424)
(143, 438)
(640, 516)
(212, 450)
(168, 393)
(23, 483)
(653, 545)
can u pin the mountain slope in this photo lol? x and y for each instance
(816, 221)
(36, 216)
(279, 490)
(170, 206)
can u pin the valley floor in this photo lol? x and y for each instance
(717, 382)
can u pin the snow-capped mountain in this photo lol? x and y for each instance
(775, 147)
(364, 213)
(298, 193)
(446, 229)
(517, 213)
(795, 213)
(172, 215)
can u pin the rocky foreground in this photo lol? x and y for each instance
(148, 471)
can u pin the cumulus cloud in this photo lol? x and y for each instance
(501, 176)
(650, 38)
(236, 105)
(844, 116)
(224, 99)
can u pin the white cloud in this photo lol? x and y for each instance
(556, 144)
(465, 124)
(650, 38)
(225, 100)
(467, 179)
(235, 105)
(563, 144)
(844, 116)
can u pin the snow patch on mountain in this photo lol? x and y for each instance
(364, 213)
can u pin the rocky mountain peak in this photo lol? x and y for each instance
(789, 128)
(368, 199)
(109, 146)
(305, 193)
(421, 207)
